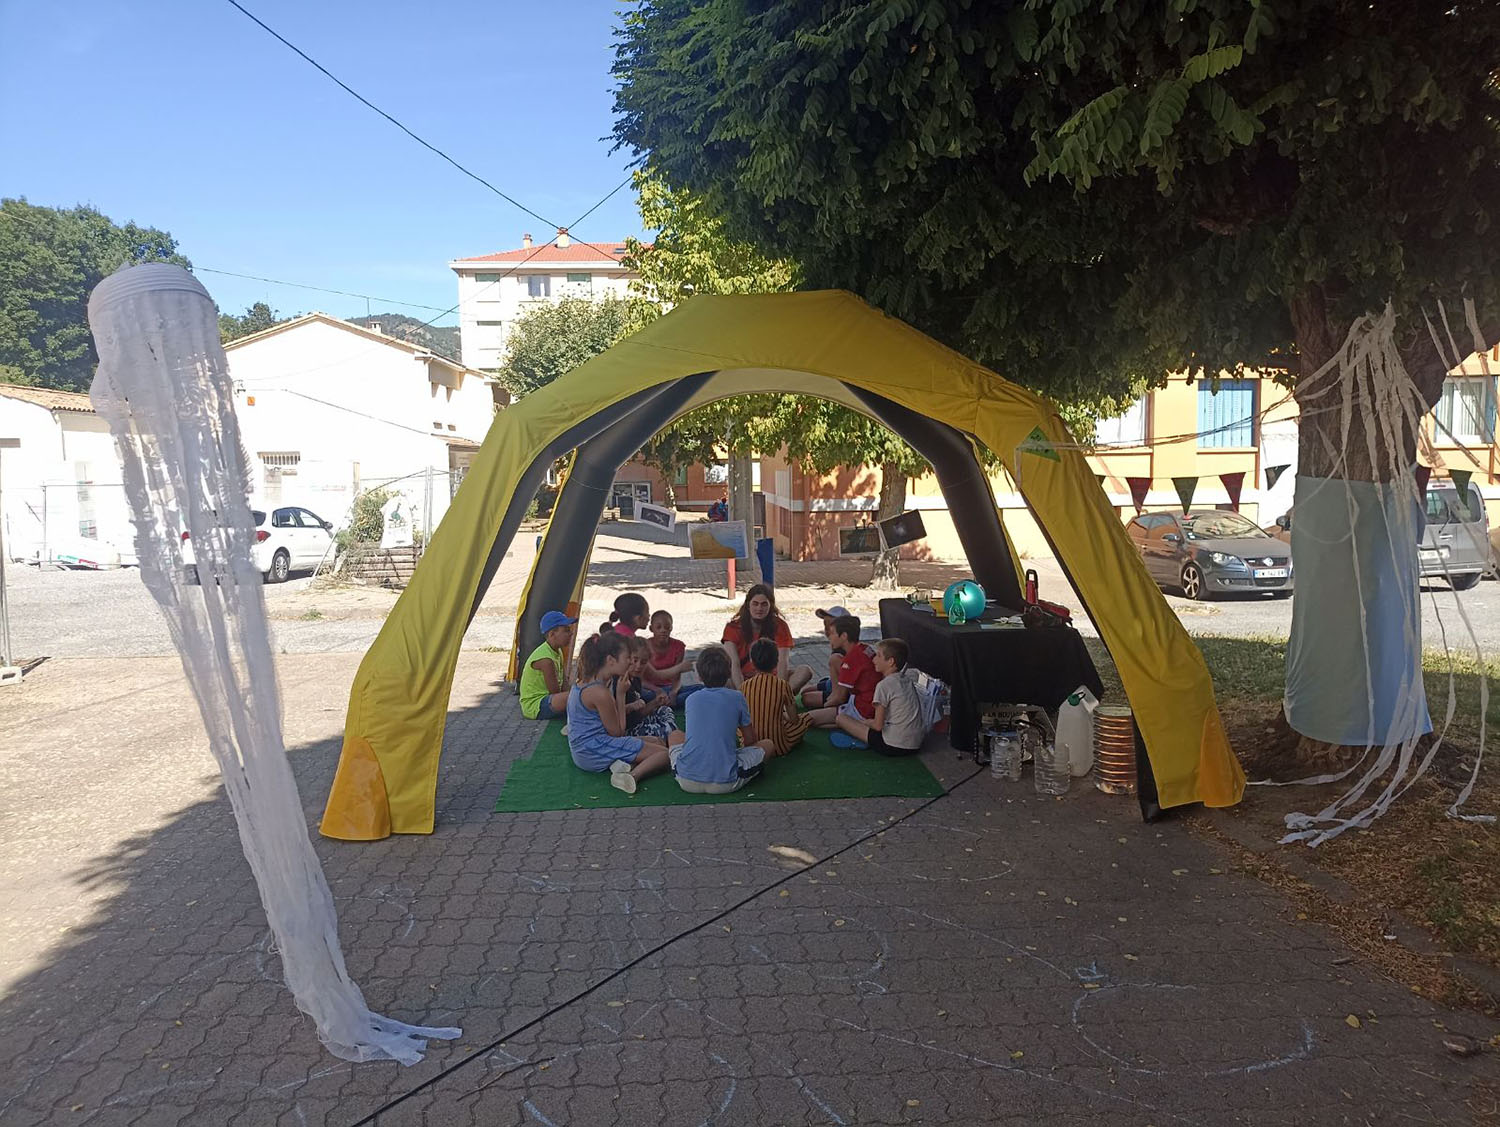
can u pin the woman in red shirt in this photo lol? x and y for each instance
(759, 618)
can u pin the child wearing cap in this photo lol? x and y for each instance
(853, 690)
(544, 695)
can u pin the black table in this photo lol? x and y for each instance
(1038, 666)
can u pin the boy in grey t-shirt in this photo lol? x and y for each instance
(896, 728)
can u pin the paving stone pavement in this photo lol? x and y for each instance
(993, 957)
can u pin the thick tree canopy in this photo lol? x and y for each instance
(552, 340)
(1084, 196)
(50, 260)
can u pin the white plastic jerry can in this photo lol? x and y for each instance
(1075, 730)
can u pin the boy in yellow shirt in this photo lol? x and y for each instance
(544, 680)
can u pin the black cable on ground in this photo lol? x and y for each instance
(662, 946)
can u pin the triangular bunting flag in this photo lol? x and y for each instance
(1423, 473)
(1139, 487)
(1036, 443)
(1273, 475)
(1461, 479)
(1233, 483)
(1185, 487)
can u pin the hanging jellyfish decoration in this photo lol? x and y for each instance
(163, 386)
(1356, 621)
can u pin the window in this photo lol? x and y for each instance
(538, 285)
(309, 519)
(284, 462)
(487, 277)
(1159, 527)
(1125, 429)
(1222, 526)
(579, 279)
(1226, 414)
(1466, 412)
(1444, 507)
(284, 518)
(680, 477)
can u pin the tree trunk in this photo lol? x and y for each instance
(886, 575)
(1348, 568)
(742, 491)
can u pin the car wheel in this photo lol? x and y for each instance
(281, 567)
(1192, 582)
(1464, 582)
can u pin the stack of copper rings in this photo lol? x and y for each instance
(1114, 749)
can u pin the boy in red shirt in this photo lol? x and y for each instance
(854, 690)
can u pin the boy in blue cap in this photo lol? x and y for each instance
(544, 688)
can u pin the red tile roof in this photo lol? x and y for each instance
(575, 251)
(47, 397)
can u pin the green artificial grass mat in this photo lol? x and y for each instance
(814, 769)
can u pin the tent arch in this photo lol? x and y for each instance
(387, 774)
(559, 568)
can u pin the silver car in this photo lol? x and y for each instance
(1455, 544)
(1210, 552)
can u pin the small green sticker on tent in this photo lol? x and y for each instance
(1036, 443)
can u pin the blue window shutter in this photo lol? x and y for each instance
(1226, 418)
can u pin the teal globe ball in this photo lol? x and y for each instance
(967, 595)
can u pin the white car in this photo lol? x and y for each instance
(286, 540)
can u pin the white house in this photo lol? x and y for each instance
(327, 409)
(61, 497)
(495, 289)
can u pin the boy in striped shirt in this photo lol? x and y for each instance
(773, 710)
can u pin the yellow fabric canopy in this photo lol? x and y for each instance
(387, 774)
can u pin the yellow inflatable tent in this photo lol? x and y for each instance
(825, 343)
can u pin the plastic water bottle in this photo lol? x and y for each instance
(1013, 757)
(1050, 770)
(997, 746)
(1005, 756)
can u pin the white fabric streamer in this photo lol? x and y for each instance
(163, 386)
(1361, 538)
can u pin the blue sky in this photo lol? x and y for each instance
(184, 115)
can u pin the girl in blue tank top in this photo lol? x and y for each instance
(596, 718)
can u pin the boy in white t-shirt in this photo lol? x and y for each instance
(896, 728)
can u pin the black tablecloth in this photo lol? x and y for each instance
(1040, 666)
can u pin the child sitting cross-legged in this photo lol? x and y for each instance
(596, 717)
(543, 686)
(773, 710)
(896, 728)
(708, 761)
(667, 659)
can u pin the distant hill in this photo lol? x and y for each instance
(441, 339)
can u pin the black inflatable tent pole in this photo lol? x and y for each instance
(570, 532)
(536, 473)
(966, 488)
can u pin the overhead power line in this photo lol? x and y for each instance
(355, 94)
(318, 289)
(417, 137)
